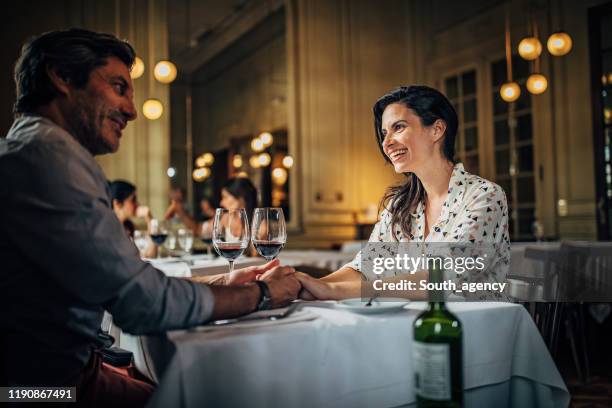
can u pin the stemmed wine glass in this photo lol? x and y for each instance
(158, 233)
(185, 238)
(230, 234)
(269, 233)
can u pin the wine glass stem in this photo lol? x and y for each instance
(231, 266)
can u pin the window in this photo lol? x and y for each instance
(513, 148)
(461, 91)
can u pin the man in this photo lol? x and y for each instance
(65, 257)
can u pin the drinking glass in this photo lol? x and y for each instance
(185, 238)
(230, 234)
(269, 233)
(141, 240)
(158, 232)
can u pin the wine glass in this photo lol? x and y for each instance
(158, 232)
(141, 240)
(185, 238)
(269, 233)
(230, 234)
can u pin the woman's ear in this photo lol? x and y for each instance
(62, 85)
(439, 128)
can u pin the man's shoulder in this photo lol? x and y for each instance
(36, 133)
(38, 141)
(38, 152)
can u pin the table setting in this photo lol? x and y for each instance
(348, 353)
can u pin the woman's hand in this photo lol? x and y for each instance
(314, 289)
(175, 207)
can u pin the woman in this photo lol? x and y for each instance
(237, 192)
(439, 201)
(125, 206)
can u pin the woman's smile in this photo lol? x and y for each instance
(397, 154)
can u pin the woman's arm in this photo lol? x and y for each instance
(188, 221)
(348, 283)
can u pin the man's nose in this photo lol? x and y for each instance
(129, 111)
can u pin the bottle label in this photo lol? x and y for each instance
(432, 370)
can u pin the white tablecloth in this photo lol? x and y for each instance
(331, 260)
(348, 360)
(205, 265)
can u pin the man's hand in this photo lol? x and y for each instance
(250, 273)
(283, 284)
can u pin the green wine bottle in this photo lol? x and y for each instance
(438, 351)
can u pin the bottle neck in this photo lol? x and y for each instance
(434, 306)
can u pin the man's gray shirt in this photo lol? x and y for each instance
(65, 258)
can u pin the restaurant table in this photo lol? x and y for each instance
(200, 265)
(325, 259)
(342, 359)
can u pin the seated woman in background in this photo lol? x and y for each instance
(125, 205)
(415, 130)
(207, 208)
(237, 192)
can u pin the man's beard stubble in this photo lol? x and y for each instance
(86, 125)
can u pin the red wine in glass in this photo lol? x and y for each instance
(230, 233)
(159, 239)
(230, 251)
(268, 249)
(269, 233)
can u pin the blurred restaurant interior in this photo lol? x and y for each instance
(281, 92)
(308, 72)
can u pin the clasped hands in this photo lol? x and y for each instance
(285, 283)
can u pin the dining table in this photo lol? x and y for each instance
(327, 356)
(205, 264)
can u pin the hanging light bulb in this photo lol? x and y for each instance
(279, 176)
(264, 159)
(537, 83)
(257, 145)
(165, 72)
(237, 161)
(266, 139)
(208, 159)
(530, 48)
(201, 174)
(254, 162)
(510, 91)
(152, 109)
(200, 162)
(288, 161)
(559, 43)
(137, 68)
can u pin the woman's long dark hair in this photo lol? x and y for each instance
(429, 105)
(241, 187)
(121, 190)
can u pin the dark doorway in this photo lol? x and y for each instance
(600, 43)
